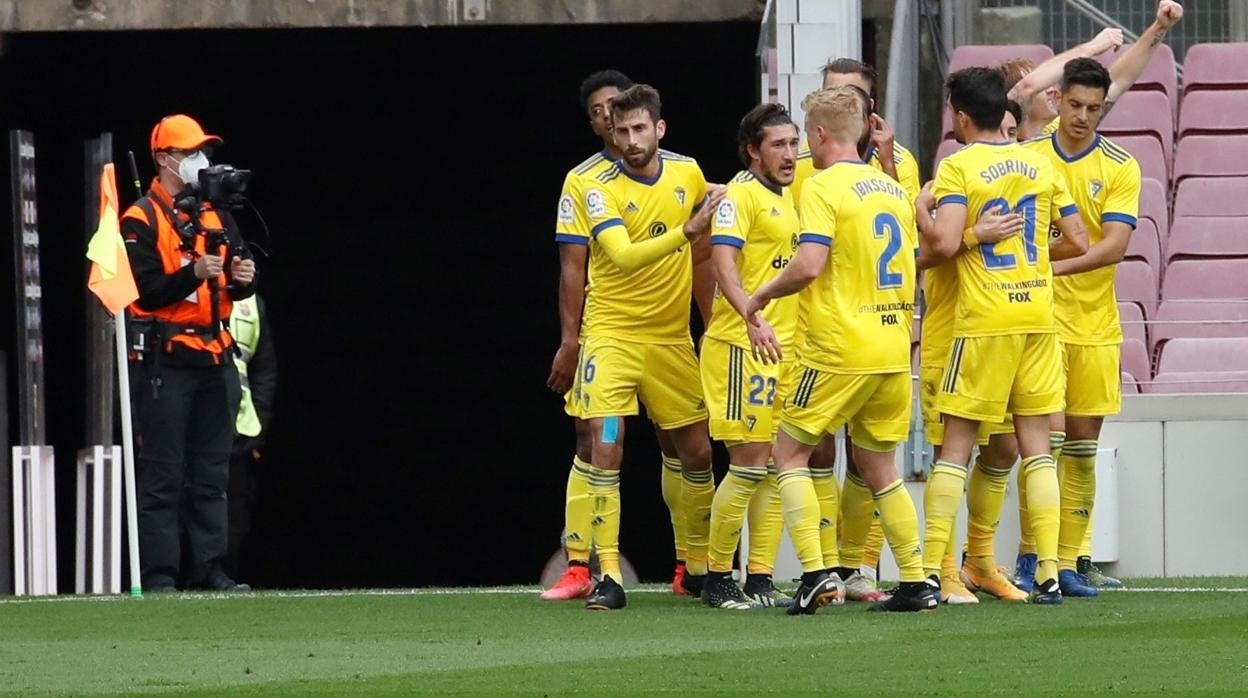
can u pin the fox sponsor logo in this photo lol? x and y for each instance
(889, 319)
(1019, 296)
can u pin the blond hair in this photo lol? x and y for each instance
(841, 111)
(1015, 70)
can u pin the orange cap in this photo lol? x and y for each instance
(180, 132)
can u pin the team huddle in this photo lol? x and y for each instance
(805, 268)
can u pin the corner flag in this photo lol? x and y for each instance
(111, 279)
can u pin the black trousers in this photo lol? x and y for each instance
(242, 495)
(185, 430)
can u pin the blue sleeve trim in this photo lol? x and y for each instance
(815, 238)
(565, 239)
(1119, 218)
(606, 224)
(952, 199)
(1068, 210)
(727, 240)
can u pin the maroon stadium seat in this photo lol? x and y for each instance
(1203, 365)
(1214, 113)
(946, 148)
(1136, 282)
(1198, 236)
(1211, 196)
(1145, 243)
(1201, 318)
(1132, 319)
(1212, 156)
(1201, 279)
(1154, 206)
(1215, 66)
(1148, 151)
(1141, 113)
(1130, 385)
(1135, 358)
(1198, 382)
(1158, 76)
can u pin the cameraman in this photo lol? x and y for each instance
(189, 263)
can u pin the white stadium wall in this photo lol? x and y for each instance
(1180, 466)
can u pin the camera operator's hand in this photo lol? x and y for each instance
(209, 266)
(243, 271)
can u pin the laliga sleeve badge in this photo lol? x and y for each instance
(595, 204)
(566, 216)
(726, 214)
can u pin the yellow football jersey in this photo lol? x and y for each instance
(903, 160)
(1052, 126)
(862, 305)
(651, 304)
(1104, 181)
(1006, 288)
(571, 224)
(758, 219)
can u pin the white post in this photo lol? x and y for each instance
(98, 510)
(127, 448)
(114, 519)
(80, 545)
(47, 471)
(21, 568)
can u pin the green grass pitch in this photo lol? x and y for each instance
(436, 641)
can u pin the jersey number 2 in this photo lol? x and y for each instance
(886, 225)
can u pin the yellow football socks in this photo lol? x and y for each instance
(732, 499)
(766, 516)
(1078, 492)
(801, 516)
(857, 512)
(699, 489)
(673, 496)
(941, 500)
(1026, 541)
(578, 509)
(1043, 505)
(827, 490)
(901, 526)
(985, 495)
(604, 490)
(875, 541)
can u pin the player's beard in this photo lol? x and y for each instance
(640, 160)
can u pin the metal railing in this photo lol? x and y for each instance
(1068, 23)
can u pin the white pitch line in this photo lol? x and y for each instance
(501, 591)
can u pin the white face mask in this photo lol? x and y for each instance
(188, 169)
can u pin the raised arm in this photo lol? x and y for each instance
(1127, 69)
(1049, 72)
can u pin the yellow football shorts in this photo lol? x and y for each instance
(613, 373)
(1093, 380)
(930, 378)
(743, 395)
(876, 406)
(987, 377)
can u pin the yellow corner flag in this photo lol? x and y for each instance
(111, 279)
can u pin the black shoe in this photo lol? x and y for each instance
(910, 597)
(693, 583)
(607, 596)
(720, 591)
(1047, 593)
(220, 581)
(822, 590)
(761, 590)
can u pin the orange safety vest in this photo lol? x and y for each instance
(189, 320)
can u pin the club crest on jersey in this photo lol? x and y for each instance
(1094, 187)
(565, 210)
(595, 204)
(775, 212)
(726, 214)
(680, 195)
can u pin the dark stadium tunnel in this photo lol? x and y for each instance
(409, 177)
